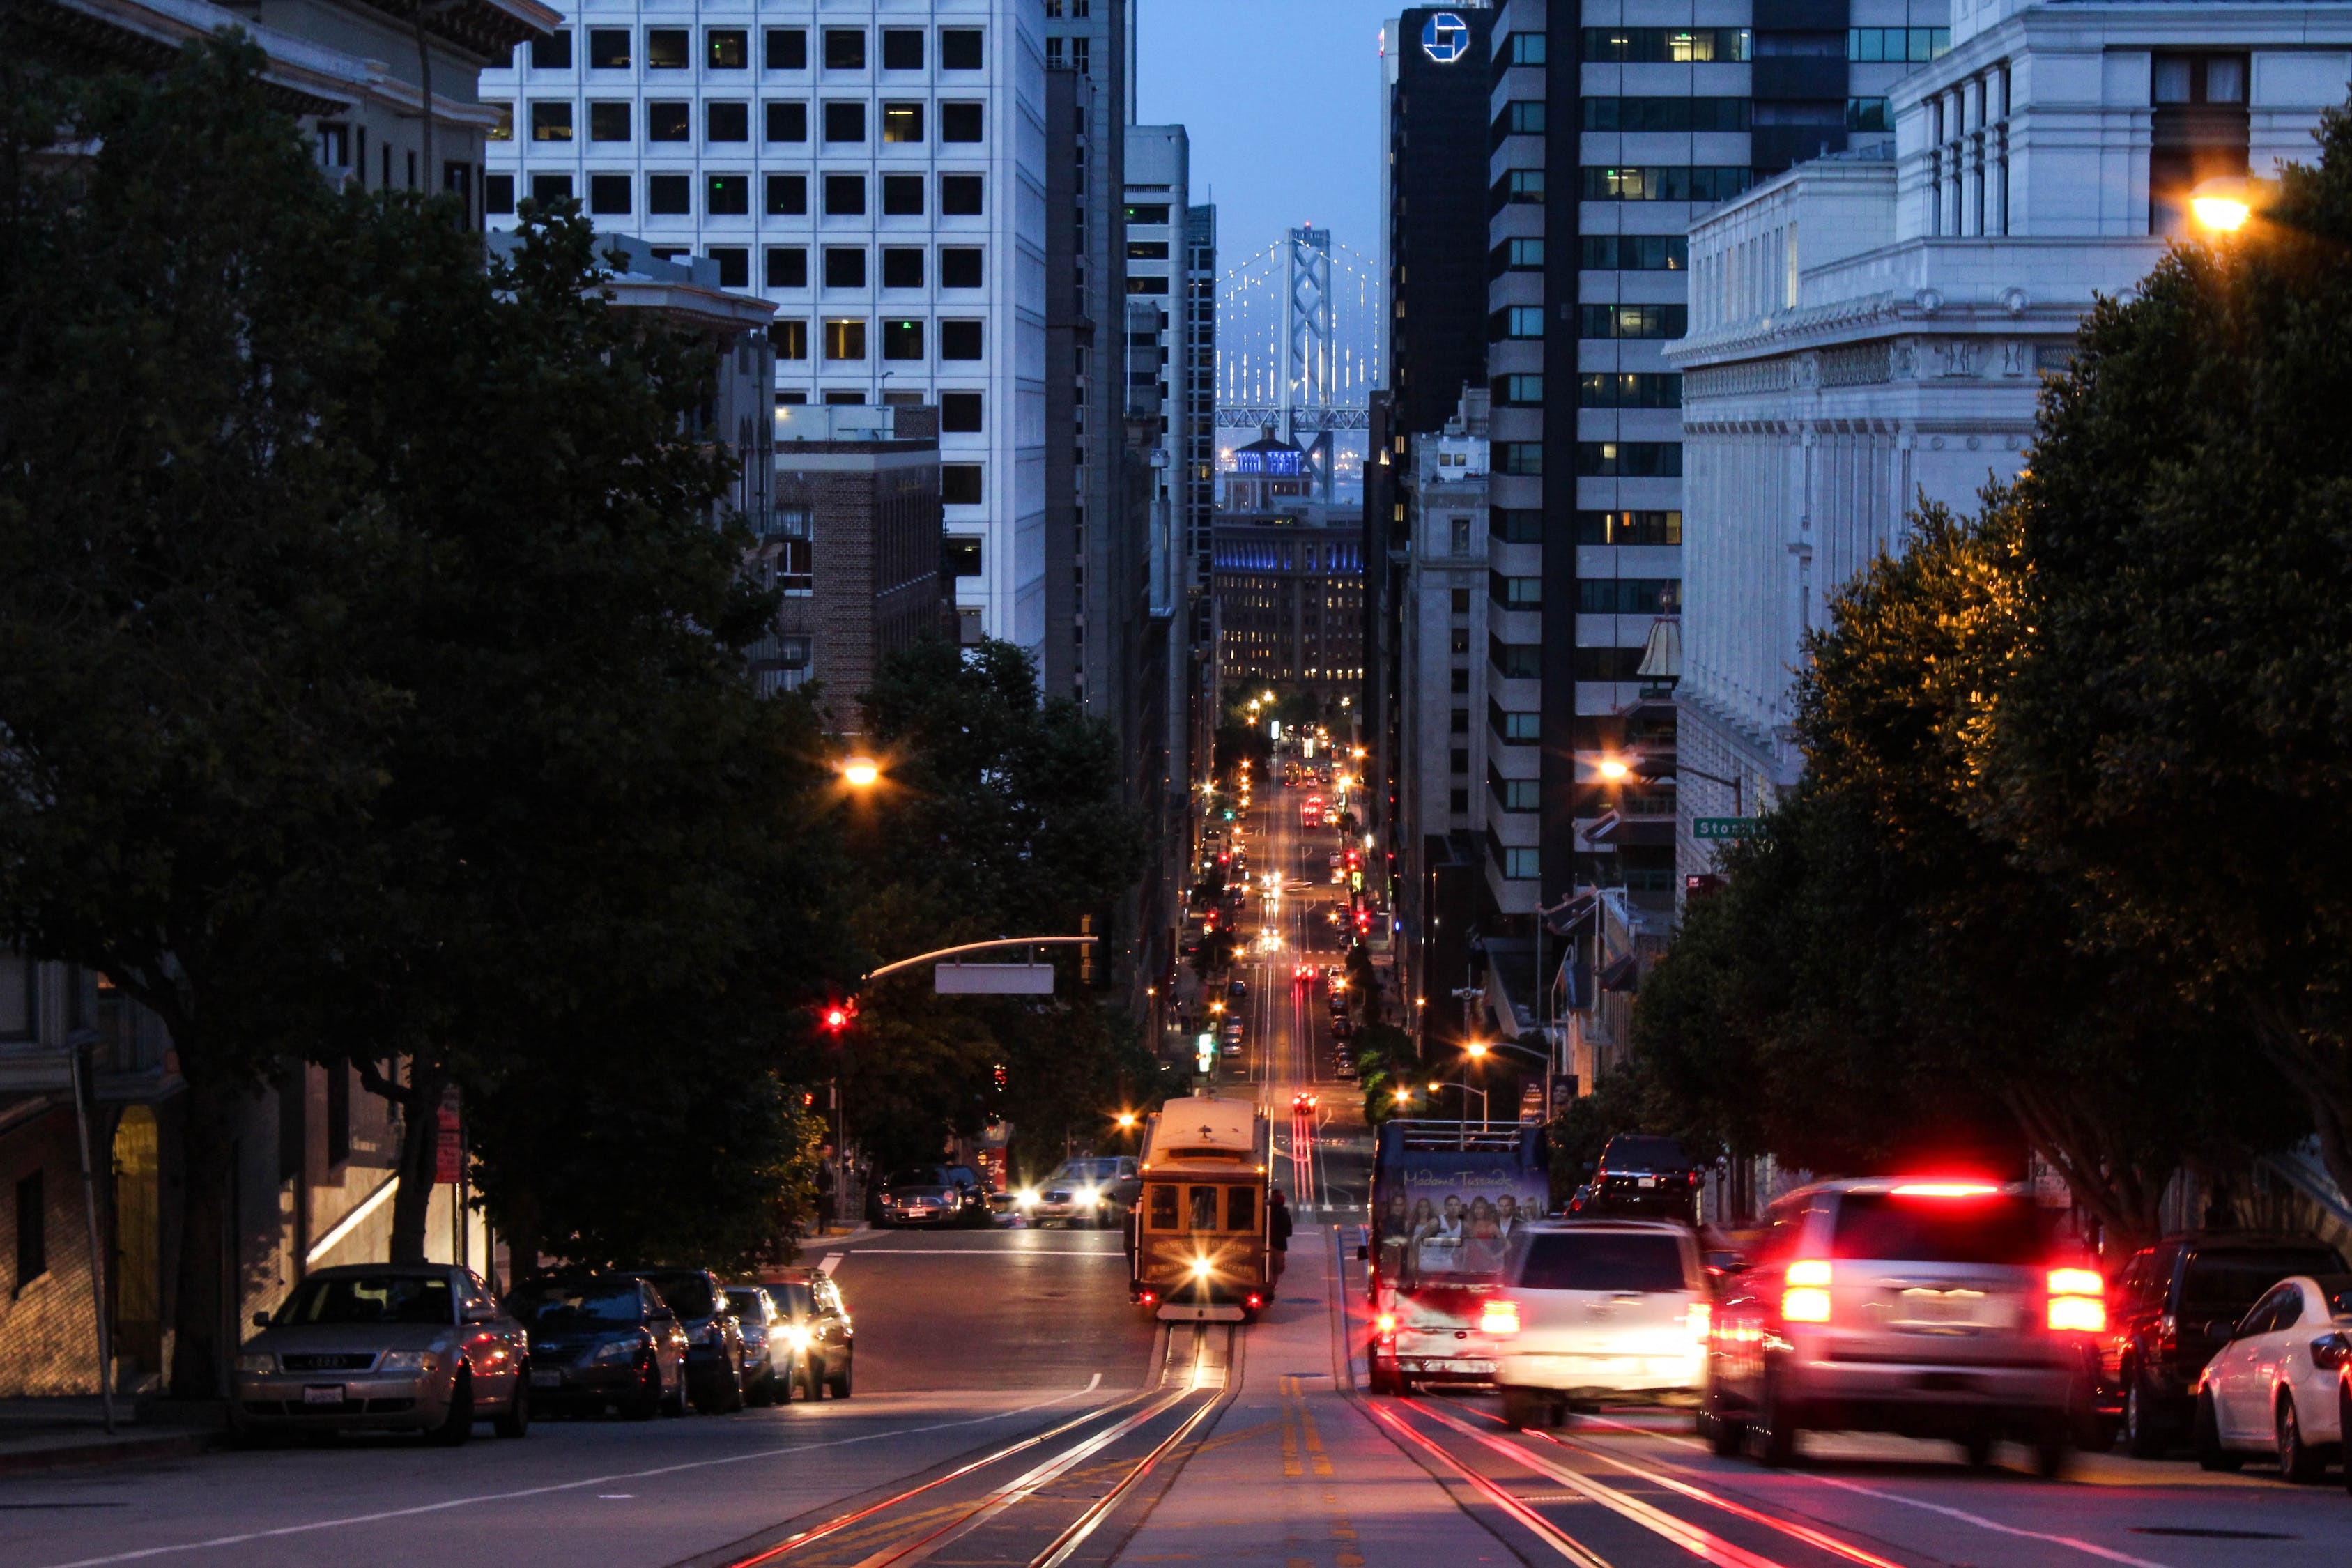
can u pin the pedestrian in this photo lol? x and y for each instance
(1277, 1237)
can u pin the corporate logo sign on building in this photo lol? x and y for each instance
(1444, 37)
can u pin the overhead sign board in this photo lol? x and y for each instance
(1723, 827)
(994, 979)
(1444, 37)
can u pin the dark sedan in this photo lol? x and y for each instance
(1639, 1174)
(930, 1194)
(714, 1336)
(599, 1341)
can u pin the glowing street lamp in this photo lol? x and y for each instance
(860, 772)
(1477, 1049)
(1614, 768)
(1126, 1121)
(2222, 205)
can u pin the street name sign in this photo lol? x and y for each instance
(994, 979)
(1723, 827)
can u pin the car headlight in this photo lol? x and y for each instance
(408, 1361)
(798, 1338)
(1026, 1197)
(256, 1361)
(615, 1352)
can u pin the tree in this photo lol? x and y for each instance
(2174, 739)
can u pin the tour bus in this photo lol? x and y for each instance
(1447, 1199)
(1311, 812)
(1197, 1242)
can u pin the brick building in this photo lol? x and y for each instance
(853, 543)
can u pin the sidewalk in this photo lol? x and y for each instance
(54, 1434)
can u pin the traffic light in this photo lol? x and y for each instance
(836, 1016)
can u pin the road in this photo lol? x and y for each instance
(1012, 1412)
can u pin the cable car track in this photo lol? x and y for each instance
(1085, 1475)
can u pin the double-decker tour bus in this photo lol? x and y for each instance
(1447, 1197)
(1311, 812)
(1196, 1243)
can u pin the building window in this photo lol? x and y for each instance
(668, 122)
(960, 122)
(1665, 182)
(1515, 660)
(960, 195)
(608, 48)
(1520, 322)
(668, 50)
(787, 121)
(960, 554)
(1868, 114)
(551, 122)
(1518, 185)
(608, 122)
(790, 532)
(1514, 726)
(960, 340)
(845, 196)
(1628, 595)
(1629, 528)
(1633, 321)
(902, 49)
(1623, 114)
(959, 413)
(787, 266)
(960, 484)
(32, 1230)
(902, 340)
(545, 188)
(845, 123)
(1523, 50)
(19, 995)
(727, 49)
(902, 267)
(788, 195)
(734, 266)
(1521, 864)
(1513, 593)
(789, 340)
(1911, 46)
(1633, 252)
(844, 340)
(1629, 460)
(1627, 389)
(1664, 46)
(959, 267)
(727, 122)
(902, 123)
(608, 194)
(728, 195)
(1524, 458)
(845, 268)
(1457, 759)
(498, 194)
(1519, 391)
(1520, 117)
(786, 49)
(844, 48)
(1513, 795)
(902, 195)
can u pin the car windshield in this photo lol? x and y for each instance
(1566, 1260)
(791, 1297)
(688, 1294)
(2224, 1284)
(371, 1299)
(747, 1304)
(1086, 1170)
(1992, 1228)
(1643, 1155)
(916, 1176)
(559, 1302)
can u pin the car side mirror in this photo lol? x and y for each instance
(261, 1320)
(2220, 1331)
(479, 1315)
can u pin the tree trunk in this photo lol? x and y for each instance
(200, 1303)
(420, 1137)
(518, 1221)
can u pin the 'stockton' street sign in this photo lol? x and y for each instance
(1723, 827)
(995, 979)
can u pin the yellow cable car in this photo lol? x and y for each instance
(1197, 1242)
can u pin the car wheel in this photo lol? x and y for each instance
(2298, 1462)
(2211, 1454)
(812, 1386)
(1384, 1380)
(674, 1403)
(1724, 1435)
(838, 1384)
(1977, 1449)
(2144, 1436)
(2051, 1449)
(1520, 1410)
(647, 1402)
(762, 1391)
(1772, 1437)
(2344, 1425)
(514, 1421)
(458, 1425)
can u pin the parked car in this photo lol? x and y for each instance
(2173, 1306)
(1237, 988)
(602, 1339)
(1589, 1314)
(714, 1339)
(818, 1328)
(770, 1362)
(1640, 1174)
(1098, 1191)
(1930, 1308)
(929, 1195)
(385, 1347)
(2279, 1387)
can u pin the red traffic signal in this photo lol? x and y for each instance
(836, 1016)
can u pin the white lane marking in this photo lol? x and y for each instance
(1092, 1383)
(614, 1497)
(1965, 1517)
(285, 1530)
(984, 1252)
(832, 1261)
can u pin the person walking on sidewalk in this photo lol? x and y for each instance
(1277, 1234)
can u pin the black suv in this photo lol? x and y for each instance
(2171, 1306)
(1641, 1175)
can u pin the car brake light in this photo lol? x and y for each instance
(1498, 1318)
(1254, 1300)
(1946, 1190)
(1807, 1298)
(1386, 1323)
(2331, 1352)
(1147, 1297)
(2077, 1302)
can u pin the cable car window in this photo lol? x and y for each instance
(1163, 1206)
(1241, 1208)
(1204, 1208)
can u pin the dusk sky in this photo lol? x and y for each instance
(1308, 147)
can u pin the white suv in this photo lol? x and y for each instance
(1598, 1312)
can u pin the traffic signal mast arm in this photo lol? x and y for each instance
(973, 947)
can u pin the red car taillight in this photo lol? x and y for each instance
(1498, 1316)
(1806, 1299)
(2077, 1302)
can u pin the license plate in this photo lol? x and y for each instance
(323, 1394)
(1473, 1366)
(1645, 1181)
(546, 1378)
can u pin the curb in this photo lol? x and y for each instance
(84, 1456)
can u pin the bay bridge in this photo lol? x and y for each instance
(1298, 343)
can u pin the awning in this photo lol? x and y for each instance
(1633, 832)
(1626, 975)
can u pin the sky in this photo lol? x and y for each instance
(1281, 99)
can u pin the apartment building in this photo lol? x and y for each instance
(875, 170)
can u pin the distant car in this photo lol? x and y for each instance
(1608, 1313)
(1231, 1048)
(1236, 988)
(2173, 1306)
(1929, 1307)
(1098, 1191)
(1344, 1068)
(1640, 1174)
(929, 1195)
(602, 1339)
(715, 1355)
(2278, 1388)
(818, 1330)
(385, 1347)
(1342, 1029)
(769, 1361)
(1302, 1103)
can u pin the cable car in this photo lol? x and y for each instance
(1197, 1241)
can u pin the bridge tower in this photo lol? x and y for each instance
(1307, 380)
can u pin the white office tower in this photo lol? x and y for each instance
(874, 168)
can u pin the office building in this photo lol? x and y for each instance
(1868, 329)
(1289, 592)
(1433, 195)
(868, 170)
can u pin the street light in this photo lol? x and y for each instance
(2222, 205)
(1613, 768)
(1126, 1121)
(1476, 1049)
(859, 772)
